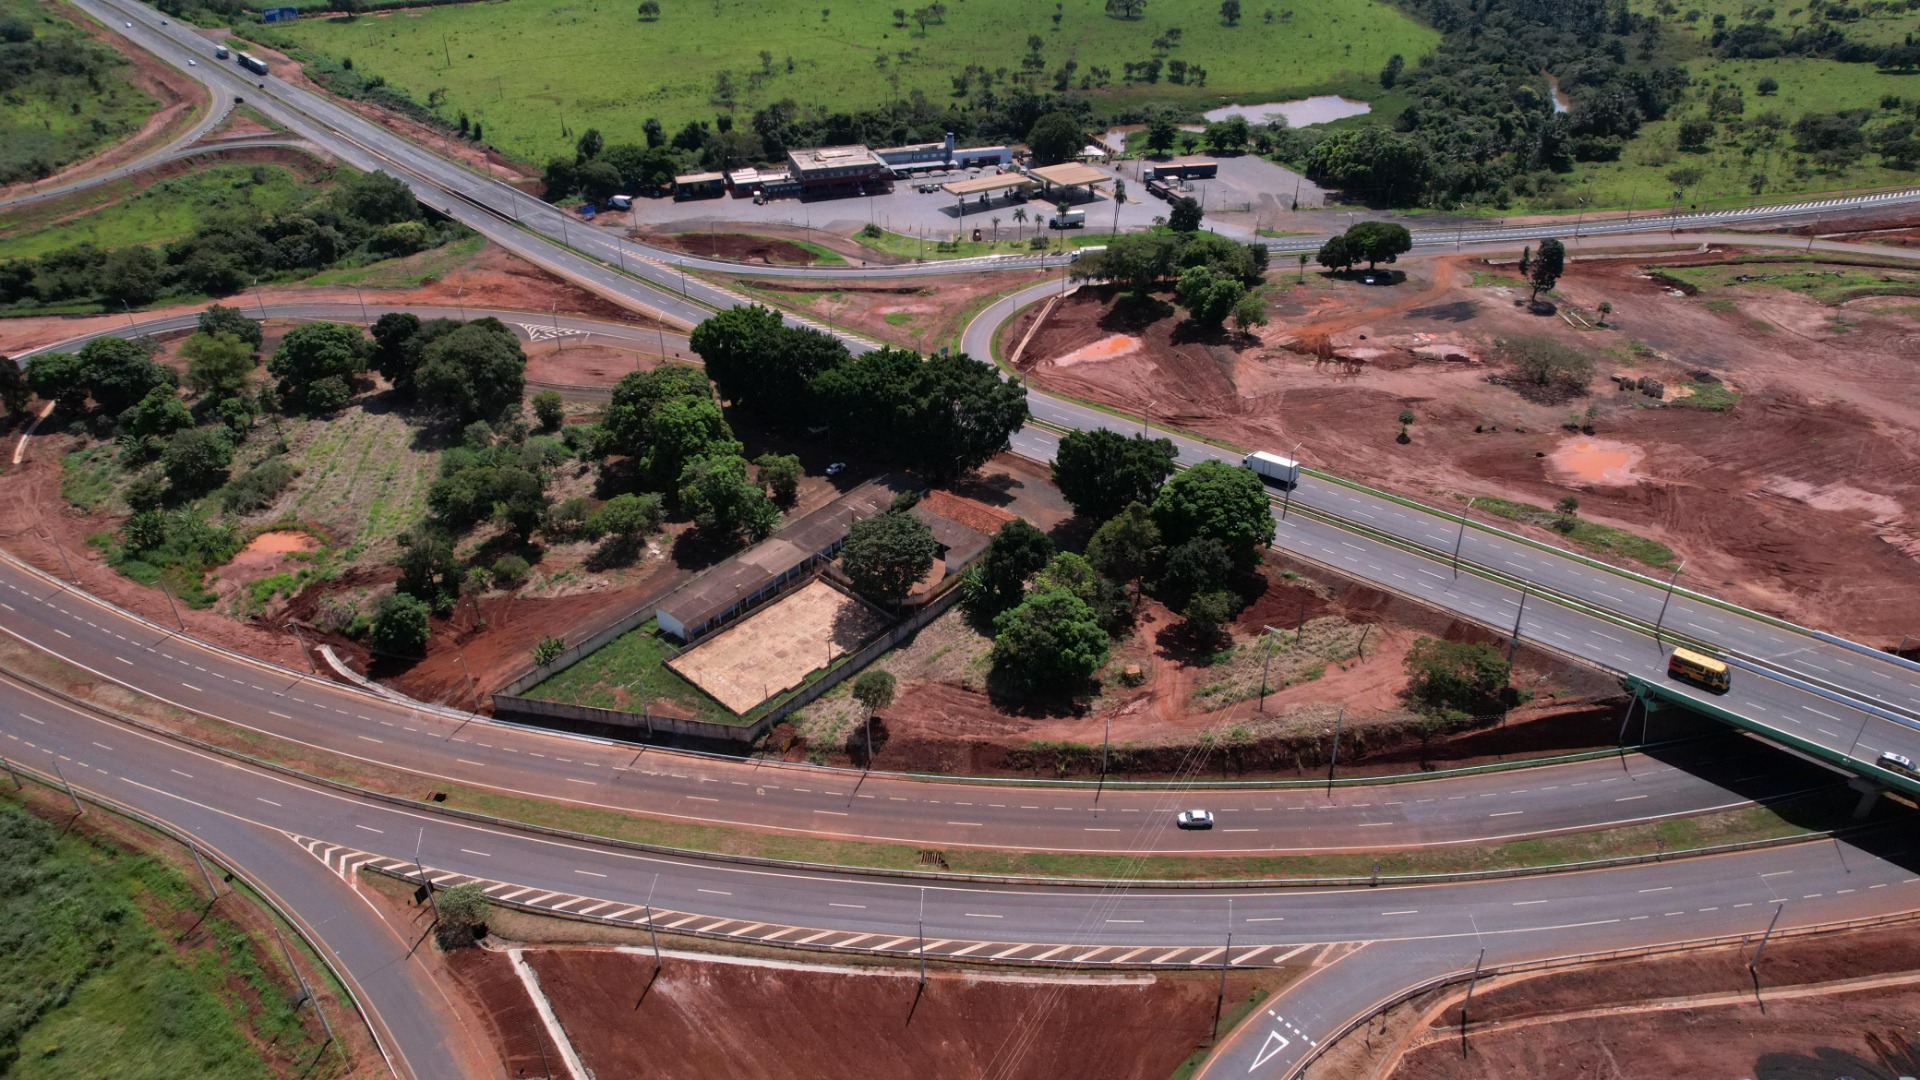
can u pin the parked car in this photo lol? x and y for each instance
(1195, 819)
(836, 468)
(1899, 763)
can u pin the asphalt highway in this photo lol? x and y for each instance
(260, 818)
(1460, 810)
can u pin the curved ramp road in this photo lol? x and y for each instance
(1388, 936)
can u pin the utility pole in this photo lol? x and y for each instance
(363, 305)
(1662, 620)
(1621, 739)
(1514, 643)
(1334, 762)
(17, 785)
(1106, 743)
(651, 932)
(171, 606)
(1226, 957)
(57, 546)
(78, 810)
(1272, 636)
(1471, 983)
(302, 646)
(922, 923)
(201, 863)
(307, 990)
(1146, 417)
(1755, 962)
(425, 882)
(1461, 538)
(1286, 498)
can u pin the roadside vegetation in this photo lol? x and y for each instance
(1605, 541)
(1829, 279)
(63, 96)
(109, 968)
(213, 233)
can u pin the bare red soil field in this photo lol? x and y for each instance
(699, 1020)
(1798, 500)
(1821, 1008)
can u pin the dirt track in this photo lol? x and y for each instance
(1801, 500)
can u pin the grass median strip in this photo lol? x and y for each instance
(1806, 814)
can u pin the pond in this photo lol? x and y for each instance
(1301, 112)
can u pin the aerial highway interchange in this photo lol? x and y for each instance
(1843, 703)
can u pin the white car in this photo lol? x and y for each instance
(1899, 763)
(129, 26)
(193, 63)
(836, 468)
(1194, 819)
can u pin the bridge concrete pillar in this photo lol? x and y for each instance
(1870, 793)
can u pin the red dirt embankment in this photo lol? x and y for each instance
(1823, 1007)
(701, 1020)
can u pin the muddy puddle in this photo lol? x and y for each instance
(1606, 462)
(1300, 112)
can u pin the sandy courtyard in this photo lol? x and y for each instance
(776, 648)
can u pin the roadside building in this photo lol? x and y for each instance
(702, 185)
(828, 172)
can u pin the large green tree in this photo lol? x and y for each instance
(196, 459)
(60, 378)
(944, 415)
(399, 626)
(887, 554)
(1127, 547)
(1052, 642)
(219, 365)
(1056, 137)
(1208, 298)
(758, 362)
(1547, 266)
(217, 319)
(377, 199)
(317, 363)
(120, 372)
(1219, 502)
(1101, 471)
(715, 492)
(477, 372)
(999, 580)
(1379, 241)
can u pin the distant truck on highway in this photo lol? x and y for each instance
(220, 52)
(1273, 467)
(1072, 219)
(253, 63)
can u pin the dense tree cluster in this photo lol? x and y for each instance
(943, 415)
(1371, 242)
(370, 215)
(1142, 262)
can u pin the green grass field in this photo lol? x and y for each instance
(163, 211)
(636, 659)
(1821, 279)
(94, 980)
(1603, 540)
(526, 70)
(52, 118)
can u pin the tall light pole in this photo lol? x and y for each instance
(1461, 538)
(363, 305)
(1226, 957)
(1286, 498)
(1146, 416)
(1514, 642)
(1662, 620)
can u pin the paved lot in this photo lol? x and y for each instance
(775, 648)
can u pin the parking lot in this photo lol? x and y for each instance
(1248, 193)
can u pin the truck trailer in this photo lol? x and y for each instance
(1273, 467)
(252, 63)
(1072, 219)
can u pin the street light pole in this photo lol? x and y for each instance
(1286, 497)
(1334, 762)
(1226, 957)
(1146, 416)
(1461, 538)
(1514, 643)
(1662, 620)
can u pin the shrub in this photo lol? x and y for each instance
(257, 487)
(510, 570)
(399, 626)
(548, 650)
(463, 911)
(1456, 679)
(549, 409)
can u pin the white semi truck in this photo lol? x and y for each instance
(1072, 219)
(1273, 467)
